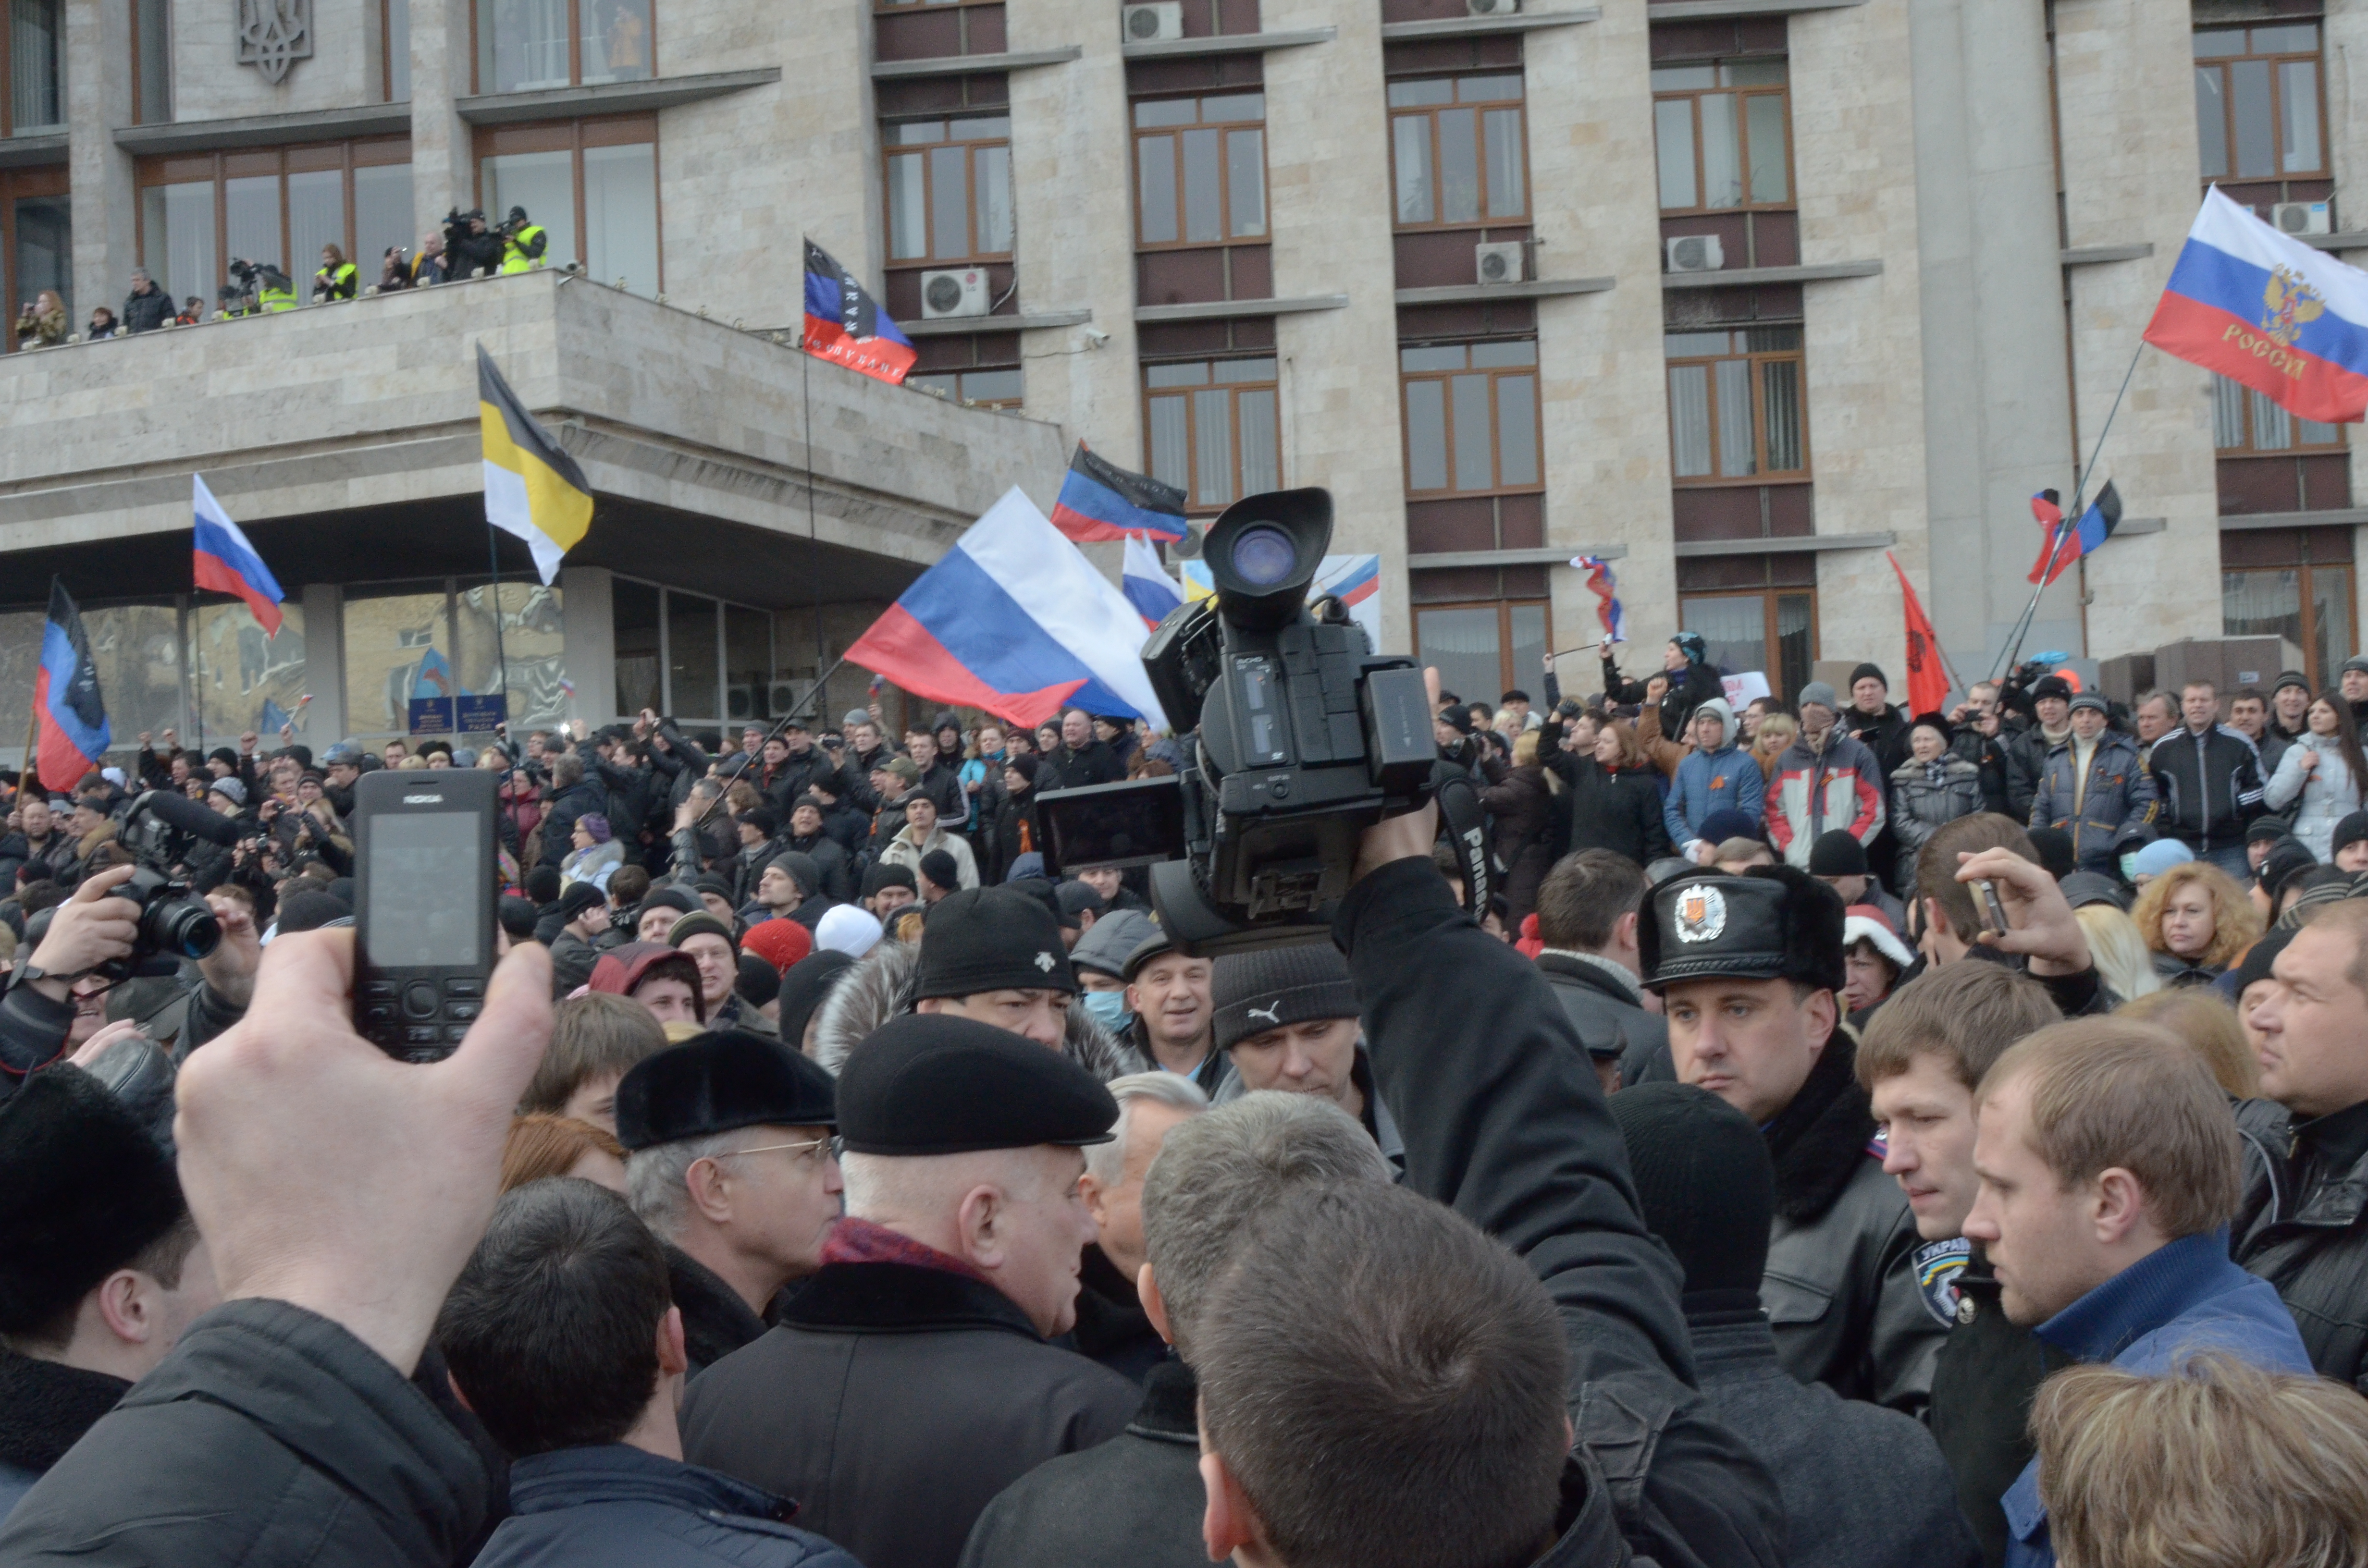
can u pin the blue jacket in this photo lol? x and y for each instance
(614, 1507)
(2185, 1297)
(1709, 781)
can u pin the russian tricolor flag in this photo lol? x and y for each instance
(1016, 621)
(227, 563)
(2269, 313)
(1099, 501)
(1143, 579)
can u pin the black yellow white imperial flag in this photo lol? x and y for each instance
(533, 489)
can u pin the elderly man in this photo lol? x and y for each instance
(2108, 1170)
(1112, 1327)
(1286, 1018)
(912, 1379)
(728, 1139)
(1081, 759)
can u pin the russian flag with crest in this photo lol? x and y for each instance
(2269, 313)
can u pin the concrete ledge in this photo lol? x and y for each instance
(1481, 293)
(1229, 43)
(2130, 526)
(2097, 256)
(1480, 27)
(975, 64)
(610, 98)
(32, 152)
(2349, 239)
(1549, 555)
(264, 129)
(2338, 518)
(1228, 310)
(1795, 544)
(1700, 10)
(1026, 320)
(1752, 277)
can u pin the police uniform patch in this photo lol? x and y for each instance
(1701, 914)
(1937, 1266)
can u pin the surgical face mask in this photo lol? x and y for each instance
(1108, 1008)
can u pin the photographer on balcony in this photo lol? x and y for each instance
(470, 249)
(337, 279)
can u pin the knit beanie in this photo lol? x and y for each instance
(700, 924)
(594, 823)
(2352, 829)
(1252, 993)
(1869, 671)
(940, 866)
(1837, 854)
(992, 939)
(1819, 694)
(1703, 1179)
(779, 942)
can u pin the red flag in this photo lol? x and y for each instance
(2053, 557)
(1928, 683)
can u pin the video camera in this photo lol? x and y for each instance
(173, 923)
(1305, 739)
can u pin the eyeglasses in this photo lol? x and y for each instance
(805, 1150)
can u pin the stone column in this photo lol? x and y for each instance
(587, 625)
(99, 98)
(442, 167)
(324, 663)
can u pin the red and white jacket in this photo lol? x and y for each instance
(1814, 792)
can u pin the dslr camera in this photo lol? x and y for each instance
(174, 923)
(1305, 738)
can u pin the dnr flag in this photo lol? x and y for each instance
(845, 323)
(2072, 540)
(1100, 500)
(533, 489)
(72, 728)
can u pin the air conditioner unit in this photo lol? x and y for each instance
(1150, 22)
(953, 293)
(784, 694)
(1695, 252)
(1492, 7)
(2303, 218)
(736, 702)
(1504, 261)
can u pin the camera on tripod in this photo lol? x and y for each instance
(1305, 739)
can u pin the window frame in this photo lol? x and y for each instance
(2249, 404)
(723, 608)
(1692, 96)
(2317, 56)
(1444, 378)
(1762, 474)
(8, 127)
(1273, 385)
(1512, 678)
(574, 45)
(1139, 134)
(1480, 108)
(890, 151)
(246, 162)
(2306, 608)
(15, 185)
(927, 381)
(573, 136)
(1772, 634)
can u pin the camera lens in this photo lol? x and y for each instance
(182, 925)
(1263, 556)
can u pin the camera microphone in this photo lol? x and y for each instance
(185, 816)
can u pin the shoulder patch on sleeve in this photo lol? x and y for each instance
(1937, 1266)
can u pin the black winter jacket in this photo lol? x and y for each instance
(1884, 733)
(559, 817)
(1697, 684)
(2209, 784)
(894, 1402)
(1619, 811)
(1983, 1383)
(613, 1506)
(270, 1438)
(715, 1321)
(2303, 1227)
(1503, 1120)
(45, 1408)
(1093, 763)
(1608, 1017)
(147, 312)
(1988, 754)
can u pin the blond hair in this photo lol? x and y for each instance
(2216, 1465)
(2200, 1019)
(2114, 1093)
(2118, 950)
(2236, 924)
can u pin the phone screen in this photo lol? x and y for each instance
(416, 858)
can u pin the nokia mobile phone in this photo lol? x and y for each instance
(427, 906)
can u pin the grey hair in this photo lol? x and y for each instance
(656, 1177)
(1106, 1163)
(1217, 1173)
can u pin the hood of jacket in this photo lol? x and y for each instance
(881, 987)
(1719, 705)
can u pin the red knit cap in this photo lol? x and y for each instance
(780, 942)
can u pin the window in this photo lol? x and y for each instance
(2291, 583)
(592, 185)
(1773, 632)
(2257, 110)
(2245, 421)
(1481, 650)
(1471, 416)
(714, 656)
(435, 639)
(395, 49)
(948, 189)
(33, 63)
(152, 62)
(37, 239)
(988, 388)
(1201, 169)
(1723, 132)
(1734, 404)
(278, 205)
(1456, 151)
(1214, 431)
(526, 45)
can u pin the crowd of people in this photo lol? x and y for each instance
(467, 245)
(1847, 1137)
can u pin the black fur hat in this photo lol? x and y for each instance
(1772, 923)
(89, 1191)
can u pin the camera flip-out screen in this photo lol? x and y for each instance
(1138, 823)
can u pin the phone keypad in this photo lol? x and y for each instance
(420, 1020)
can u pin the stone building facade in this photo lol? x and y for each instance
(1743, 294)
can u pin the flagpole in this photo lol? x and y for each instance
(33, 717)
(501, 660)
(813, 532)
(2070, 522)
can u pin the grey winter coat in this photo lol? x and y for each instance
(2116, 809)
(1921, 808)
(881, 987)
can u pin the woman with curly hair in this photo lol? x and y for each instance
(2196, 921)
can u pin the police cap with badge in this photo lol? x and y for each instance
(1770, 923)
